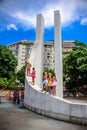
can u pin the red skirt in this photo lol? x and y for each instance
(32, 75)
(28, 68)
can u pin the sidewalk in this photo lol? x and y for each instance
(72, 99)
(12, 117)
(77, 99)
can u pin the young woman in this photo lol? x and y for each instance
(49, 88)
(28, 69)
(54, 84)
(45, 80)
(33, 75)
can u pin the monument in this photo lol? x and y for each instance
(44, 103)
(36, 57)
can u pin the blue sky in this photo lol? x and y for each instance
(18, 19)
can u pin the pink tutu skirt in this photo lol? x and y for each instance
(32, 75)
(54, 83)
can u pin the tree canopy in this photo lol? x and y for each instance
(75, 67)
(21, 75)
(8, 62)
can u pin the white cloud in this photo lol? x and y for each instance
(26, 19)
(84, 21)
(70, 12)
(24, 13)
(12, 26)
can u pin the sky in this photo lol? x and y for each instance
(18, 19)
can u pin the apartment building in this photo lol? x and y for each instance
(22, 50)
(48, 61)
(68, 45)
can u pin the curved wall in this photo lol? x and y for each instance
(52, 106)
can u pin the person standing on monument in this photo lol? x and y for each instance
(49, 83)
(54, 84)
(28, 68)
(33, 75)
(45, 80)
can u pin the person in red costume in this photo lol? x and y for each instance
(28, 69)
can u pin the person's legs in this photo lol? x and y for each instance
(54, 90)
(49, 89)
(33, 81)
(28, 72)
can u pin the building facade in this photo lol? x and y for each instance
(67, 47)
(22, 50)
(48, 61)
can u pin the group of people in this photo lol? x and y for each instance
(15, 96)
(49, 80)
(49, 83)
(31, 73)
(16, 99)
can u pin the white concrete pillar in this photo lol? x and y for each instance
(36, 57)
(40, 29)
(58, 53)
(39, 54)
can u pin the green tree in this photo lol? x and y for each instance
(9, 83)
(75, 67)
(21, 75)
(4, 82)
(8, 62)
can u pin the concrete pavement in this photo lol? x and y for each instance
(15, 117)
(77, 99)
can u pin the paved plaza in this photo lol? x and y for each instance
(77, 99)
(16, 117)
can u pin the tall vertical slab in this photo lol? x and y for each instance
(39, 54)
(36, 57)
(58, 53)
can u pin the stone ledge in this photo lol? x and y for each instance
(53, 106)
(62, 117)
